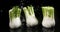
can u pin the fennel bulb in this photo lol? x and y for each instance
(14, 17)
(31, 20)
(48, 17)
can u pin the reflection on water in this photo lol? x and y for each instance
(16, 30)
(33, 30)
(48, 30)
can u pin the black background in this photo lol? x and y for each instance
(5, 5)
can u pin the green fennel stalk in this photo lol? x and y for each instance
(48, 11)
(16, 11)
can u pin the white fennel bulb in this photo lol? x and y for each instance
(48, 17)
(15, 23)
(14, 17)
(48, 22)
(31, 20)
